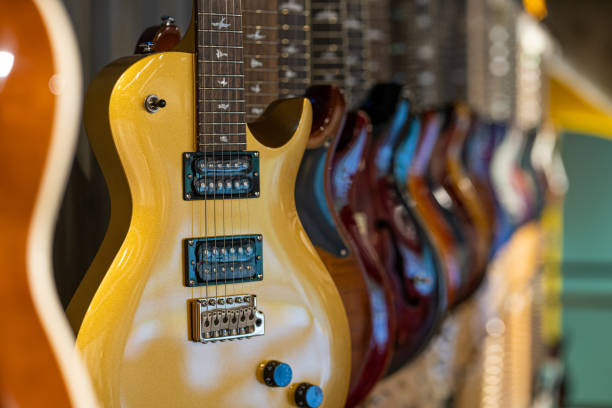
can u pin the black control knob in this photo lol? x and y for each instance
(277, 374)
(308, 395)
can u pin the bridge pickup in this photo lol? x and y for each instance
(225, 318)
(222, 260)
(220, 175)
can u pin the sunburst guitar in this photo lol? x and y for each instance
(206, 290)
(40, 86)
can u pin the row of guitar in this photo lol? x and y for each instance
(405, 210)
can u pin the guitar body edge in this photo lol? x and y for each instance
(40, 127)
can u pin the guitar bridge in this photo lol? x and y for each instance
(226, 318)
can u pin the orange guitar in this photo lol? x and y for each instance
(40, 86)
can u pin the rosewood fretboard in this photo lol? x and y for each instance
(220, 76)
(378, 36)
(261, 41)
(294, 49)
(328, 43)
(358, 80)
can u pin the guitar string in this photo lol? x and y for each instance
(215, 251)
(227, 127)
(232, 254)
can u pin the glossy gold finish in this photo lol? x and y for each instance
(134, 334)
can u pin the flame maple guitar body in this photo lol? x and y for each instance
(322, 199)
(409, 262)
(40, 86)
(135, 334)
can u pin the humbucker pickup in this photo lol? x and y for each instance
(222, 260)
(220, 175)
(226, 318)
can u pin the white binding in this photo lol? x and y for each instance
(61, 150)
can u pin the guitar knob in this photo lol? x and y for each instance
(308, 395)
(277, 374)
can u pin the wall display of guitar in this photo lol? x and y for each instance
(204, 247)
(40, 76)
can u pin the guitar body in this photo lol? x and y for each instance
(138, 319)
(40, 84)
(427, 207)
(477, 153)
(409, 262)
(358, 275)
(474, 220)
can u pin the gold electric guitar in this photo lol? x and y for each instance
(206, 290)
(40, 87)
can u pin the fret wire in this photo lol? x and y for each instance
(225, 144)
(219, 14)
(220, 31)
(220, 46)
(222, 62)
(262, 27)
(260, 12)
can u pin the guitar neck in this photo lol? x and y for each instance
(220, 76)
(261, 40)
(356, 58)
(378, 37)
(328, 42)
(294, 49)
(417, 38)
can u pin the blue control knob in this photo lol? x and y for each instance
(277, 374)
(308, 395)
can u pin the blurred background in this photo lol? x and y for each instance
(580, 268)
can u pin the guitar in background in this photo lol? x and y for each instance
(326, 192)
(159, 38)
(40, 85)
(392, 229)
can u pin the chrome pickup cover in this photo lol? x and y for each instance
(226, 318)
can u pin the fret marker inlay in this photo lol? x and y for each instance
(255, 63)
(223, 106)
(291, 5)
(257, 35)
(221, 24)
(292, 49)
(223, 82)
(256, 89)
(221, 54)
(327, 16)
